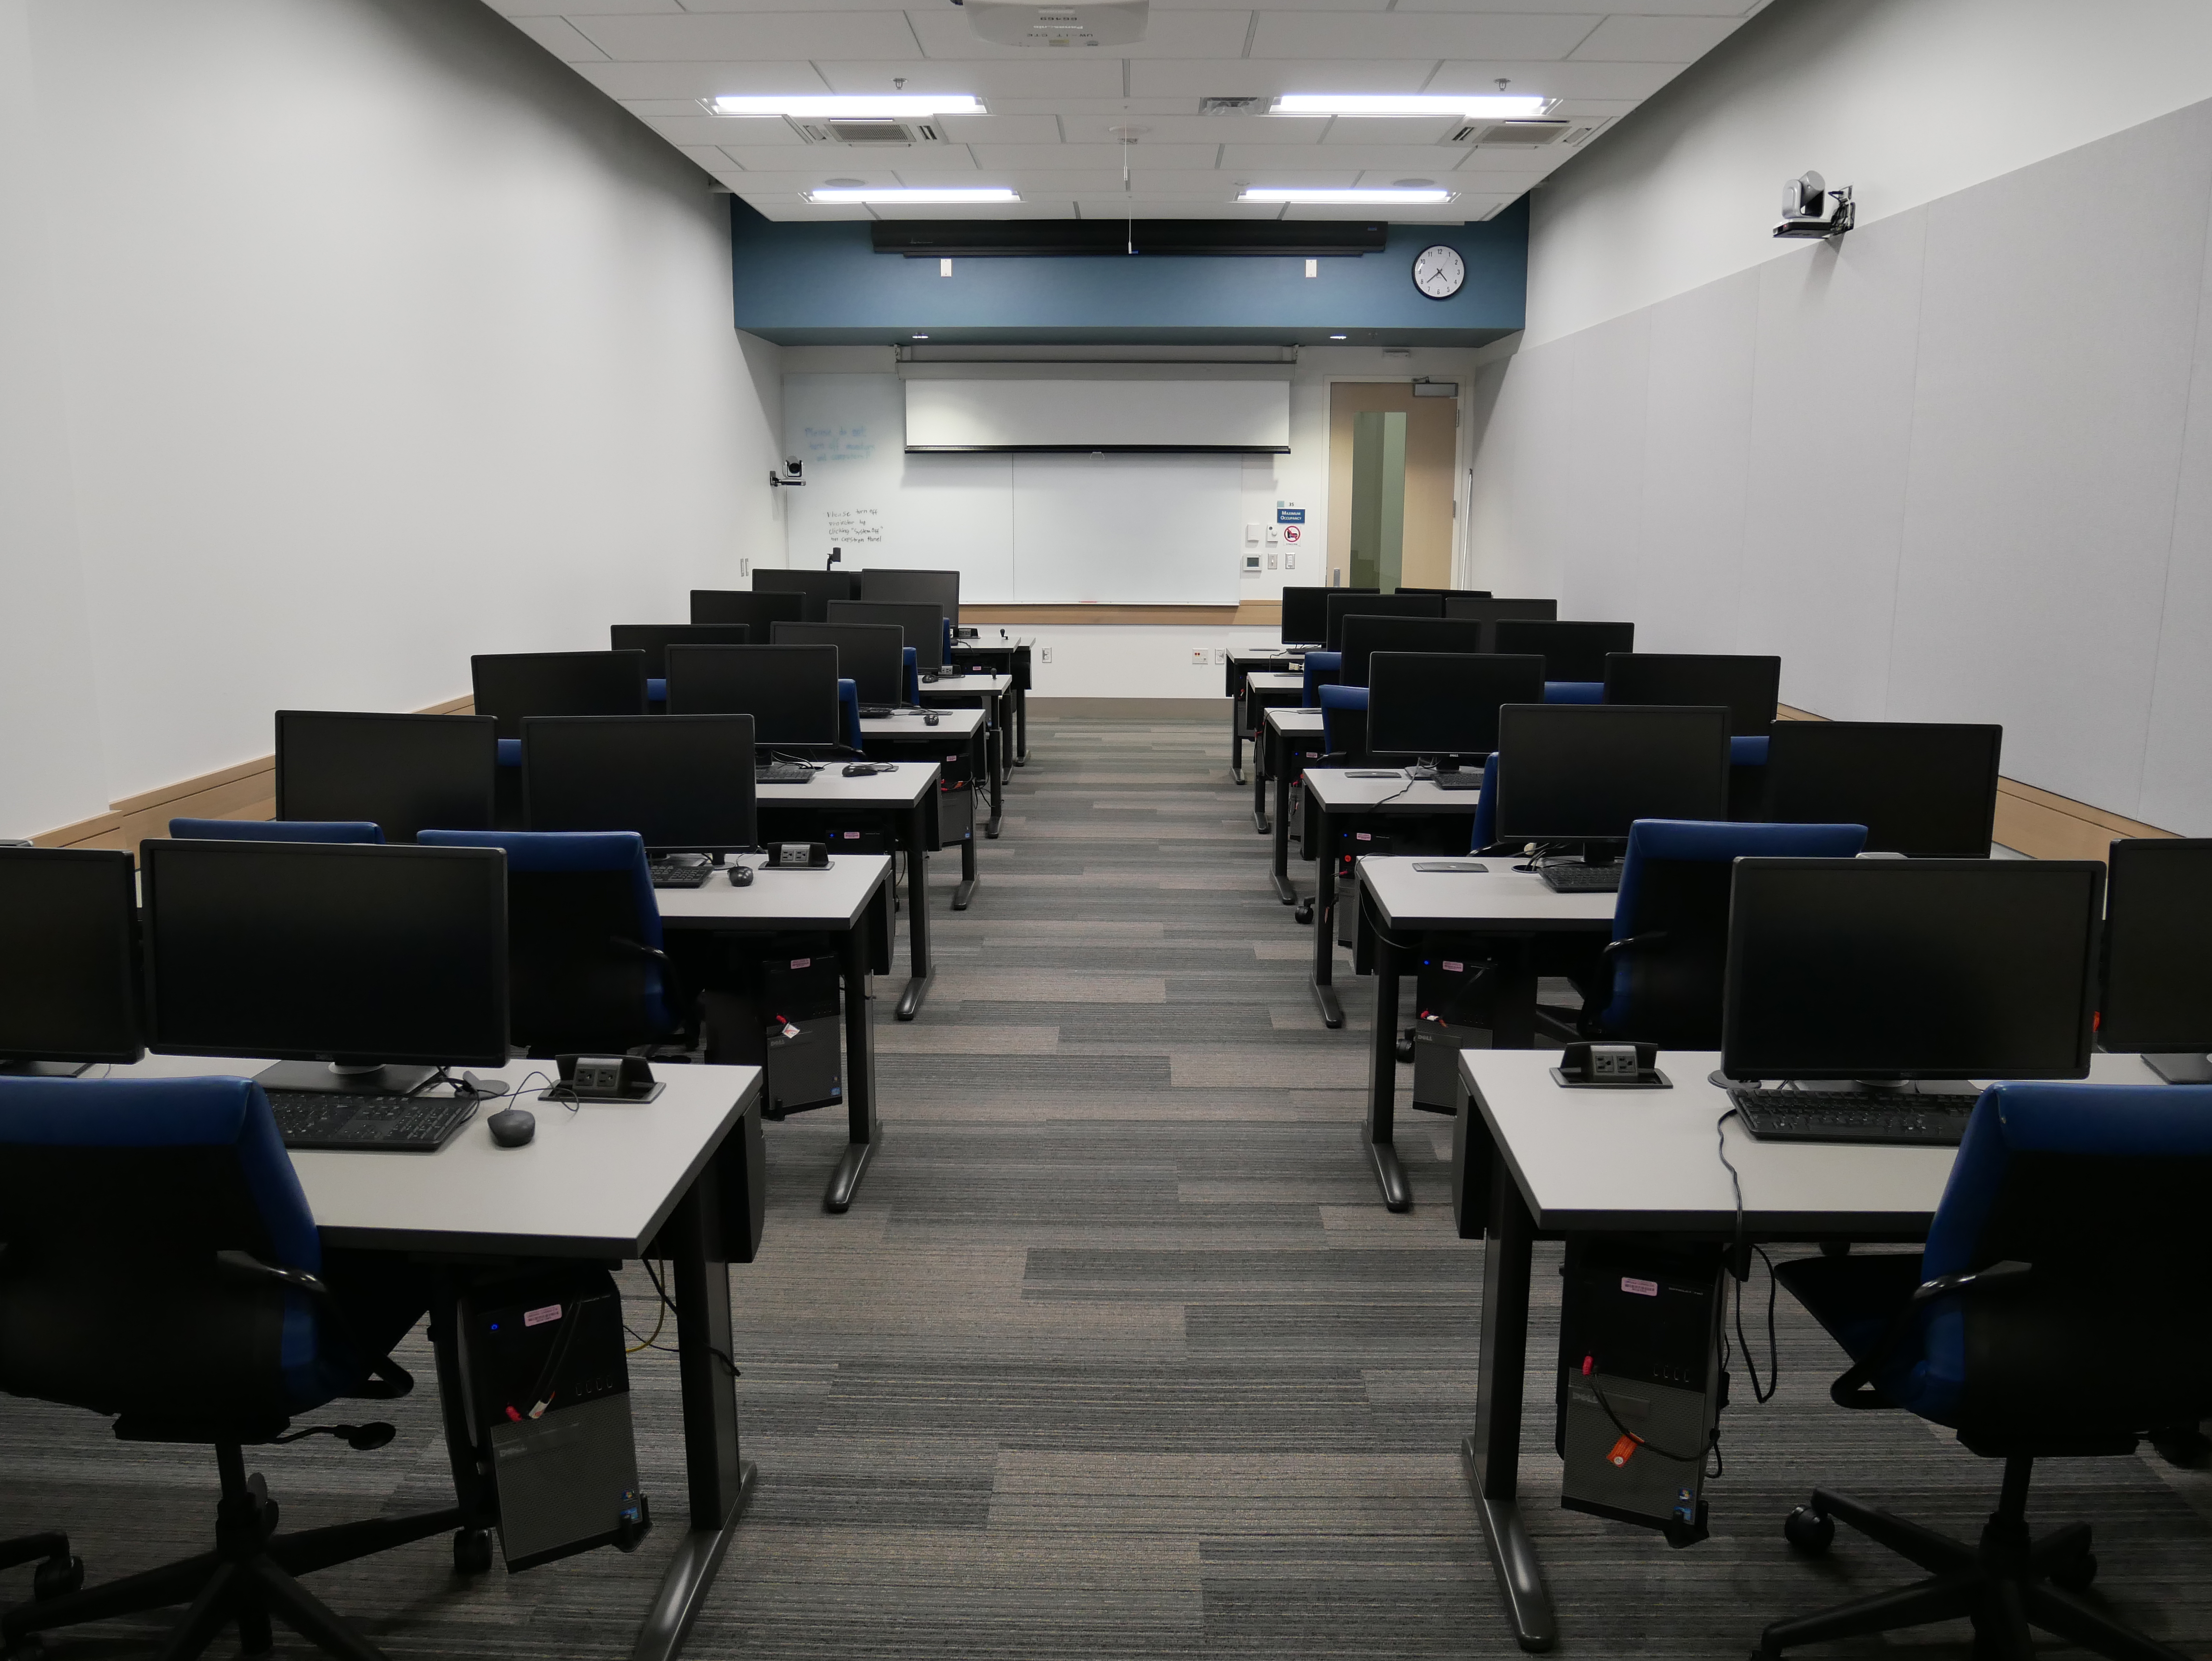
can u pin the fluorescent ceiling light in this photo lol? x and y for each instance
(895, 193)
(854, 106)
(1450, 105)
(1348, 198)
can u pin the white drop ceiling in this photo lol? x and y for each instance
(1063, 122)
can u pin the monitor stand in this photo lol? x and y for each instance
(391, 1079)
(2188, 1067)
(44, 1069)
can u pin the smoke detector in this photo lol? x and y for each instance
(1070, 23)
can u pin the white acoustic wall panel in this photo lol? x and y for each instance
(1109, 415)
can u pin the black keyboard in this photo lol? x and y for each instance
(876, 711)
(784, 772)
(381, 1124)
(1575, 878)
(1461, 780)
(1829, 1115)
(680, 876)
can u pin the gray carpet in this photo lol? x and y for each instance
(1117, 1354)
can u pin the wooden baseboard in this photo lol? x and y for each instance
(1251, 613)
(246, 791)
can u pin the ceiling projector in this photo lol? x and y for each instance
(1076, 23)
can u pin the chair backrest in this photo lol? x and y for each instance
(1320, 669)
(1675, 900)
(115, 1196)
(1344, 721)
(274, 830)
(1486, 807)
(2101, 1189)
(583, 935)
(848, 713)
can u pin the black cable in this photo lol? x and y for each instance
(1773, 1359)
(1644, 1441)
(718, 1354)
(1739, 1262)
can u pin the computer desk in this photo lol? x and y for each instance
(1332, 792)
(851, 900)
(1264, 691)
(1289, 740)
(991, 693)
(906, 800)
(907, 736)
(605, 1181)
(1531, 1159)
(1008, 655)
(1402, 911)
(1241, 662)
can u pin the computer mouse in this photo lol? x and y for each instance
(741, 876)
(511, 1127)
(929, 718)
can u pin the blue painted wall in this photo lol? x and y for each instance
(816, 285)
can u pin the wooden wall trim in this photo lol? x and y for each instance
(1251, 613)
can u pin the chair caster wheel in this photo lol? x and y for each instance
(1302, 912)
(633, 1530)
(57, 1576)
(1810, 1531)
(1835, 1248)
(472, 1551)
(1403, 1049)
(2076, 1574)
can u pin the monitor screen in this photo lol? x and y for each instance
(1896, 969)
(1489, 609)
(682, 783)
(869, 654)
(757, 612)
(1585, 772)
(1305, 615)
(67, 959)
(653, 639)
(405, 774)
(1924, 788)
(1750, 686)
(1350, 602)
(817, 588)
(1444, 705)
(1571, 651)
(922, 623)
(790, 691)
(897, 588)
(512, 684)
(327, 951)
(2158, 974)
(1366, 636)
(1462, 594)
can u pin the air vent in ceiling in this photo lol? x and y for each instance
(1231, 106)
(1524, 135)
(869, 132)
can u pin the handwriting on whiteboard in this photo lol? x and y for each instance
(853, 528)
(847, 441)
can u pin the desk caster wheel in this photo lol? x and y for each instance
(633, 1529)
(1810, 1531)
(1302, 912)
(57, 1576)
(472, 1551)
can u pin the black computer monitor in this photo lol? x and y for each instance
(1350, 602)
(818, 588)
(68, 960)
(2158, 968)
(921, 622)
(1924, 788)
(1490, 609)
(1460, 593)
(1444, 704)
(1887, 970)
(1571, 651)
(1305, 613)
(869, 654)
(892, 586)
(1585, 772)
(1365, 635)
(684, 783)
(512, 684)
(757, 612)
(790, 691)
(390, 960)
(1750, 686)
(653, 639)
(405, 774)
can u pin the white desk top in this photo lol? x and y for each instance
(1293, 722)
(595, 1183)
(830, 788)
(1338, 791)
(1262, 681)
(1501, 897)
(1648, 1160)
(908, 724)
(966, 687)
(989, 645)
(831, 898)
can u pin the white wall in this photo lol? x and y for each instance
(1957, 466)
(372, 339)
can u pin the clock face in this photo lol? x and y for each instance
(1438, 271)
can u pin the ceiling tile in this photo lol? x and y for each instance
(1422, 35)
(1655, 39)
(1567, 79)
(1257, 77)
(558, 36)
(948, 33)
(1054, 79)
(1339, 156)
(1198, 129)
(1388, 130)
(514, 8)
(1107, 156)
(1738, 10)
(1001, 128)
(696, 81)
(738, 35)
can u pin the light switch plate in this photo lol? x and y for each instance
(1271, 562)
(1048, 654)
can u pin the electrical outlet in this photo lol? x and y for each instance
(1197, 654)
(744, 568)
(1290, 560)
(1220, 654)
(1048, 654)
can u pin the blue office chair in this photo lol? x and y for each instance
(1659, 981)
(656, 692)
(585, 968)
(1321, 669)
(275, 830)
(849, 713)
(161, 1268)
(1574, 692)
(1344, 720)
(1486, 807)
(913, 660)
(2060, 1309)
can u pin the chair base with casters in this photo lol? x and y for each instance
(59, 1573)
(2005, 1583)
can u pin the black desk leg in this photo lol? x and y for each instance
(964, 890)
(1284, 892)
(720, 1478)
(860, 1070)
(1492, 1455)
(1021, 727)
(1236, 738)
(1259, 784)
(1324, 927)
(1513, 1022)
(917, 909)
(994, 748)
(1382, 1085)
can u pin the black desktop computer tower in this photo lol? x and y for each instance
(1640, 1382)
(548, 1384)
(1451, 1011)
(780, 1013)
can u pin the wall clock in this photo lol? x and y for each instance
(1438, 271)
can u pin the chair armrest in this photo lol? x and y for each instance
(1650, 937)
(391, 1380)
(1855, 1389)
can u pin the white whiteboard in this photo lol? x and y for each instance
(1127, 530)
(1045, 415)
